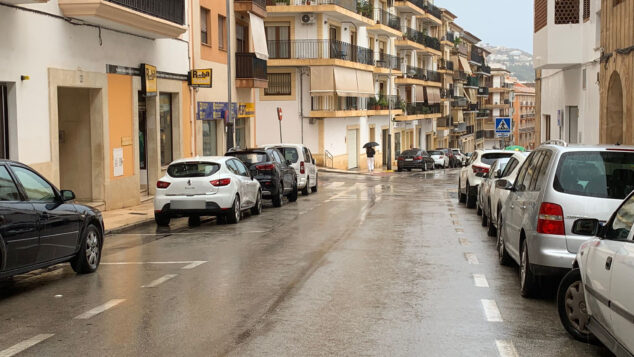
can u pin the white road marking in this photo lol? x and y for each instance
(190, 263)
(506, 348)
(99, 309)
(159, 281)
(335, 184)
(463, 241)
(471, 258)
(480, 281)
(491, 310)
(21, 346)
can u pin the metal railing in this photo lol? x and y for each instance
(259, 3)
(382, 102)
(485, 134)
(476, 55)
(336, 103)
(329, 156)
(364, 8)
(446, 64)
(346, 4)
(444, 122)
(462, 49)
(483, 91)
(388, 19)
(483, 113)
(421, 108)
(170, 10)
(449, 36)
(303, 49)
(459, 102)
(249, 66)
(432, 9)
(419, 37)
(472, 82)
(423, 74)
(470, 129)
(484, 69)
(388, 61)
(460, 76)
(472, 107)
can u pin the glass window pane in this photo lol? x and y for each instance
(36, 188)
(210, 140)
(165, 102)
(623, 221)
(8, 190)
(192, 169)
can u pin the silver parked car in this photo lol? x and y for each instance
(556, 185)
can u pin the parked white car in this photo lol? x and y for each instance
(206, 186)
(471, 175)
(487, 185)
(440, 159)
(302, 161)
(596, 299)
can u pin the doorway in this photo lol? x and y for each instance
(210, 139)
(547, 127)
(428, 142)
(143, 177)
(385, 145)
(353, 152)
(573, 118)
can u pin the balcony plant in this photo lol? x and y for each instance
(382, 102)
(372, 103)
(364, 8)
(457, 41)
(282, 2)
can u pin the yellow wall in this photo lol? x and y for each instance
(120, 121)
(211, 51)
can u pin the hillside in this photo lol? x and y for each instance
(518, 62)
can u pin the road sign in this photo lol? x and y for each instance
(279, 113)
(502, 127)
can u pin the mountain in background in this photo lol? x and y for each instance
(518, 62)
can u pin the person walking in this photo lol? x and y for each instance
(369, 152)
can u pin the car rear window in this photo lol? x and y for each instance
(601, 174)
(409, 153)
(456, 151)
(289, 153)
(192, 169)
(435, 152)
(491, 157)
(251, 157)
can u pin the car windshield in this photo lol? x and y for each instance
(289, 153)
(456, 151)
(192, 169)
(251, 157)
(603, 174)
(435, 152)
(491, 157)
(410, 153)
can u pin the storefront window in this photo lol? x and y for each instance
(241, 134)
(210, 143)
(165, 103)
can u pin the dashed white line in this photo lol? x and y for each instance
(192, 265)
(99, 309)
(491, 311)
(506, 348)
(21, 346)
(471, 258)
(480, 281)
(159, 281)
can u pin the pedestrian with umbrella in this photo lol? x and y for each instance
(369, 153)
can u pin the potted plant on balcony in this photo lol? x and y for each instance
(457, 41)
(372, 103)
(282, 2)
(382, 102)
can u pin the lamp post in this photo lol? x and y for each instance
(230, 117)
(389, 107)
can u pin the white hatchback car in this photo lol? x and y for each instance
(302, 161)
(596, 299)
(471, 175)
(206, 186)
(440, 159)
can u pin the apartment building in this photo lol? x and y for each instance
(567, 49)
(524, 116)
(617, 72)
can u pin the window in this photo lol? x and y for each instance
(231, 165)
(210, 142)
(36, 188)
(165, 107)
(277, 157)
(222, 29)
(543, 171)
(278, 39)
(623, 221)
(519, 183)
(289, 154)
(242, 170)
(8, 190)
(251, 158)
(279, 84)
(307, 156)
(193, 169)
(509, 167)
(242, 38)
(204, 26)
(566, 12)
(547, 127)
(586, 10)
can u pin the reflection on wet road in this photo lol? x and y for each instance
(369, 265)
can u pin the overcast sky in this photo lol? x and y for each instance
(498, 22)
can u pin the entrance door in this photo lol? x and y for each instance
(335, 44)
(385, 146)
(143, 177)
(210, 142)
(397, 144)
(573, 116)
(4, 121)
(241, 133)
(428, 142)
(352, 149)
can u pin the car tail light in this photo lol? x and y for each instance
(418, 158)
(400, 158)
(162, 184)
(480, 169)
(221, 182)
(550, 219)
(301, 168)
(265, 167)
(442, 157)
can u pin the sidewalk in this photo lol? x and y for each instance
(377, 172)
(120, 219)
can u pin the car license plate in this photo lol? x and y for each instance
(188, 204)
(409, 159)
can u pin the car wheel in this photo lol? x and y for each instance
(314, 188)
(306, 189)
(193, 221)
(478, 208)
(503, 256)
(461, 198)
(571, 305)
(89, 255)
(471, 197)
(162, 219)
(485, 219)
(257, 209)
(399, 169)
(492, 231)
(278, 199)
(409, 170)
(292, 197)
(528, 281)
(235, 213)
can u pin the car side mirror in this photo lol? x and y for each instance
(503, 184)
(498, 173)
(67, 195)
(313, 160)
(586, 227)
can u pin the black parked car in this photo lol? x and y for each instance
(415, 159)
(41, 226)
(276, 175)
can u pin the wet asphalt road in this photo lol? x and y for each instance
(380, 266)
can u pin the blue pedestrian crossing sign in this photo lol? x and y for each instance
(502, 127)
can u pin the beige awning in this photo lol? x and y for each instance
(457, 116)
(258, 37)
(365, 84)
(419, 92)
(466, 67)
(346, 82)
(322, 80)
(433, 95)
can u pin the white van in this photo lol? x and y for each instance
(301, 159)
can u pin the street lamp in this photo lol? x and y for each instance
(230, 117)
(389, 107)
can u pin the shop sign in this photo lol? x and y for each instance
(148, 80)
(246, 110)
(200, 78)
(217, 110)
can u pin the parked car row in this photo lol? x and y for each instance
(543, 207)
(225, 186)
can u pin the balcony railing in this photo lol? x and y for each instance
(432, 9)
(527, 116)
(472, 82)
(312, 49)
(446, 93)
(388, 61)
(459, 102)
(476, 55)
(336, 103)
(388, 19)
(462, 49)
(472, 107)
(449, 36)
(483, 91)
(445, 122)
(470, 129)
(446, 64)
(423, 74)
(346, 4)
(484, 69)
(170, 10)
(259, 3)
(460, 76)
(383, 102)
(483, 113)
(485, 134)
(421, 38)
(249, 66)
(421, 109)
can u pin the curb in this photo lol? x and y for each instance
(127, 227)
(352, 172)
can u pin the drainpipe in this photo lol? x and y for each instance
(301, 100)
(192, 91)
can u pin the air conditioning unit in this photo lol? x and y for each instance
(308, 19)
(312, 121)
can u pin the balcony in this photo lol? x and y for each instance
(386, 23)
(313, 52)
(472, 82)
(460, 76)
(416, 111)
(461, 49)
(470, 129)
(444, 123)
(561, 38)
(459, 102)
(257, 7)
(423, 74)
(485, 134)
(445, 65)
(484, 70)
(476, 56)
(359, 13)
(409, 6)
(250, 71)
(416, 40)
(472, 108)
(432, 10)
(483, 92)
(388, 61)
(449, 36)
(341, 107)
(154, 19)
(483, 114)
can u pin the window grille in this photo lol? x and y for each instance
(279, 84)
(566, 12)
